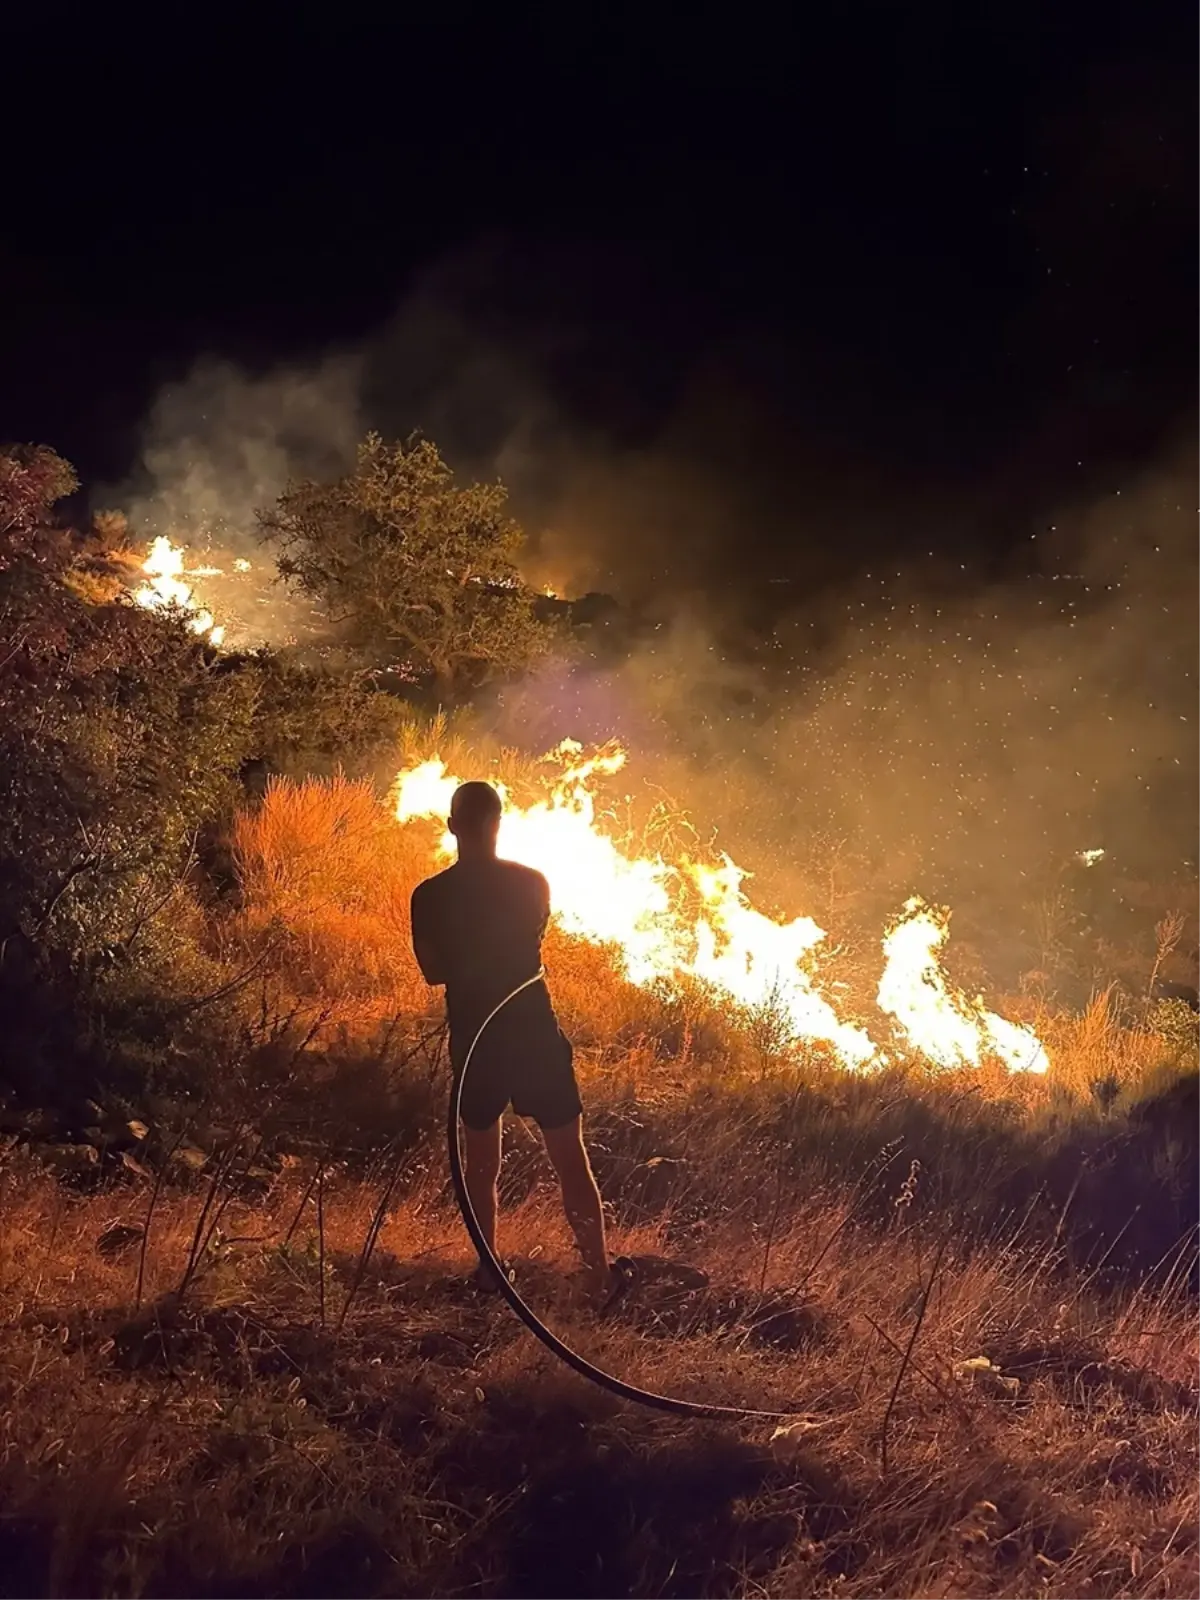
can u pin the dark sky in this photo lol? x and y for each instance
(927, 258)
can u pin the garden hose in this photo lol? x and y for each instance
(604, 1380)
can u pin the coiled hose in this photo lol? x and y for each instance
(596, 1375)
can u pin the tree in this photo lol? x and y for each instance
(312, 720)
(415, 572)
(33, 478)
(123, 736)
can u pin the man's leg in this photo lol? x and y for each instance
(481, 1148)
(581, 1197)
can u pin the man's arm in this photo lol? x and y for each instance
(425, 946)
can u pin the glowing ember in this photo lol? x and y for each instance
(165, 586)
(686, 918)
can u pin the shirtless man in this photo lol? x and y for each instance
(477, 928)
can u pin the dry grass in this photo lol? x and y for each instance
(328, 875)
(241, 1438)
(232, 1444)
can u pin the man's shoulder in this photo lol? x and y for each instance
(518, 872)
(431, 888)
(514, 876)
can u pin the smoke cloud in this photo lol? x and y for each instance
(939, 728)
(221, 444)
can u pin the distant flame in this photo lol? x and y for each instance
(1089, 858)
(688, 918)
(164, 587)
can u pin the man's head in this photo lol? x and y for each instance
(475, 818)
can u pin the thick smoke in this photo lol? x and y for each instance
(933, 728)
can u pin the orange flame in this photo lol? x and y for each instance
(939, 1022)
(165, 586)
(646, 907)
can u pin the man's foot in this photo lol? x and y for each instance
(483, 1280)
(622, 1275)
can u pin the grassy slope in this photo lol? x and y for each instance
(232, 1445)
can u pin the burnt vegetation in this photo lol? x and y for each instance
(238, 1354)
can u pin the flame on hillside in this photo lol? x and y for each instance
(685, 917)
(165, 585)
(937, 1020)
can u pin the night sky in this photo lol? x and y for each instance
(845, 340)
(926, 257)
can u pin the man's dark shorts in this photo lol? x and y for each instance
(531, 1070)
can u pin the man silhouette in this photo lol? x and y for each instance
(477, 928)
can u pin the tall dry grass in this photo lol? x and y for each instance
(328, 874)
(239, 1442)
